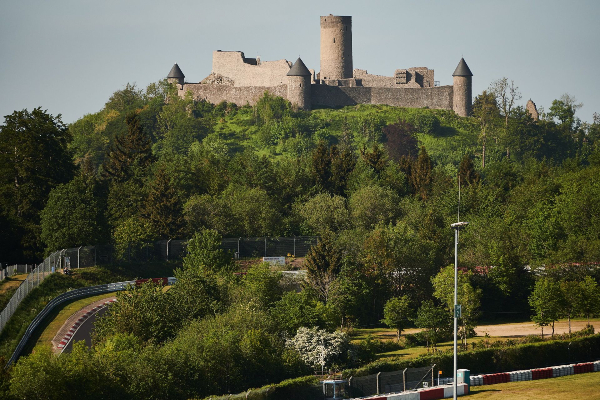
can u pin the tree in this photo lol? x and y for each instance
(421, 176)
(375, 158)
(486, 111)
(373, 205)
(204, 253)
(546, 301)
(163, 209)
(506, 95)
(323, 264)
(318, 348)
(400, 140)
(563, 110)
(129, 151)
(324, 213)
(466, 172)
(467, 296)
(261, 285)
(435, 320)
(74, 215)
(395, 313)
(295, 310)
(33, 159)
(343, 162)
(589, 297)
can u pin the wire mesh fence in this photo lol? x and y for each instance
(162, 250)
(391, 382)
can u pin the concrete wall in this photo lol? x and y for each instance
(249, 71)
(338, 96)
(238, 95)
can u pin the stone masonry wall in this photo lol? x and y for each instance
(238, 95)
(415, 78)
(336, 96)
(249, 72)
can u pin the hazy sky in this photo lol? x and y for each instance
(69, 56)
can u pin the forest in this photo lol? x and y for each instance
(379, 185)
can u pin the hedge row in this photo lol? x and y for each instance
(523, 356)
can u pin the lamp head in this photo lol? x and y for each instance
(458, 225)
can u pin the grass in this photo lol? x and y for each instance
(573, 387)
(56, 320)
(8, 287)
(56, 284)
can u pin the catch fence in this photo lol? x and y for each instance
(391, 382)
(162, 250)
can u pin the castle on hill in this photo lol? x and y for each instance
(237, 79)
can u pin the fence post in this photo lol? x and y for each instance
(168, 241)
(294, 246)
(265, 246)
(78, 249)
(432, 381)
(404, 379)
(95, 255)
(378, 382)
(239, 255)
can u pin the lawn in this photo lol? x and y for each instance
(573, 387)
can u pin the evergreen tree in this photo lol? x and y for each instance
(421, 176)
(164, 210)
(466, 172)
(376, 158)
(321, 166)
(131, 150)
(323, 264)
(343, 162)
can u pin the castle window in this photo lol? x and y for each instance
(333, 40)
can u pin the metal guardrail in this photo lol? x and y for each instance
(70, 295)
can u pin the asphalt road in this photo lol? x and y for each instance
(85, 330)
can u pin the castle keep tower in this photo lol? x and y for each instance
(336, 47)
(463, 81)
(298, 90)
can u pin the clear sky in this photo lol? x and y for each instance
(69, 56)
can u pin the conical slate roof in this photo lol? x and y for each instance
(176, 72)
(298, 69)
(462, 69)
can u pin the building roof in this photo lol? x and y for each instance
(176, 72)
(462, 69)
(299, 69)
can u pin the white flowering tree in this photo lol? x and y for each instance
(319, 348)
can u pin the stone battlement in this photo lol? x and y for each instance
(235, 78)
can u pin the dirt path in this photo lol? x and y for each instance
(529, 328)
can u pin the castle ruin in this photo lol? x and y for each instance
(237, 79)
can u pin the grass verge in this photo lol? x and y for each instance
(56, 284)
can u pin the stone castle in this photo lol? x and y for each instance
(237, 79)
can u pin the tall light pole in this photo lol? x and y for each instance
(456, 226)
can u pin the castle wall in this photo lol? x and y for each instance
(339, 96)
(403, 78)
(249, 71)
(238, 95)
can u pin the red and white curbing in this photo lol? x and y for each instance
(67, 338)
(438, 392)
(534, 374)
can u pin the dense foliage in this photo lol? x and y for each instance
(379, 185)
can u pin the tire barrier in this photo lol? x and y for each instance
(67, 338)
(70, 295)
(535, 374)
(434, 393)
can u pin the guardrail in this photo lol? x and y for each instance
(70, 295)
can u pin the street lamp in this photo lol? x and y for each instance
(456, 226)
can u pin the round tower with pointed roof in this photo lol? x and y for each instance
(463, 89)
(336, 47)
(298, 87)
(176, 76)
